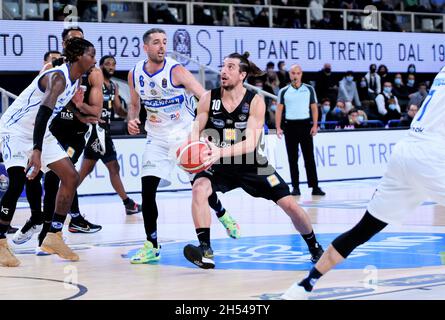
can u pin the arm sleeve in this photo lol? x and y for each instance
(42, 118)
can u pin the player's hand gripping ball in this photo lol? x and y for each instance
(189, 156)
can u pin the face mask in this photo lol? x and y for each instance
(411, 70)
(363, 84)
(273, 107)
(349, 78)
(387, 89)
(337, 109)
(411, 82)
(398, 81)
(392, 106)
(327, 70)
(360, 118)
(326, 108)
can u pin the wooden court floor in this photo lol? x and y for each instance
(403, 262)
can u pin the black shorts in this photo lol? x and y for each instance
(258, 182)
(93, 152)
(73, 145)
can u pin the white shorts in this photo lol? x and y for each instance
(16, 151)
(159, 159)
(415, 173)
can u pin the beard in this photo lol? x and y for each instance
(228, 87)
(107, 74)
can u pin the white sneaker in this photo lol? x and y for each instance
(295, 292)
(40, 252)
(21, 238)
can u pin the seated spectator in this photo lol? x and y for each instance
(326, 22)
(262, 19)
(326, 84)
(387, 104)
(272, 82)
(411, 84)
(203, 16)
(348, 91)
(400, 91)
(339, 114)
(373, 80)
(411, 69)
(355, 24)
(282, 74)
(324, 109)
(362, 89)
(418, 97)
(357, 119)
(382, 71)
(407, 118)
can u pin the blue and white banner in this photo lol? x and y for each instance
(338, 155)
(23, 44)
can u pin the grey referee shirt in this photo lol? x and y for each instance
(297, 101)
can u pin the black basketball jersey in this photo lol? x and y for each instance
(107, 108)
(227, 128)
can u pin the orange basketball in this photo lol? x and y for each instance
(189, 156)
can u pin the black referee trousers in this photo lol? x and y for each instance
(299, 132)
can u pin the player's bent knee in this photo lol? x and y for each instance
(288, 204)
(201, 189)
(70, 178)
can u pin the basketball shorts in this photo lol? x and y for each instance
(74, 145)
(415, 173)
(16, 150)
(93, 150)
(270, 186)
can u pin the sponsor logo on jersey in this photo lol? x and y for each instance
(273, 180)
(172, 108)
(154, 119)
(242, 117)
(240, 125)
(154, 92)
(18, 155)
(70, 151)
(229, 134)
(158, 103)
(152, 84)
(175, 116)
(245, 108)
(148, 164)
(218, 123)
(164, 83)
(142, 92)
(66, 115)
(182, 44)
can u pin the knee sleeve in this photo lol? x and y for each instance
(367, 227)
(9, 200)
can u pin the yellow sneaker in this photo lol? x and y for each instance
(7, 258)
(53, 243)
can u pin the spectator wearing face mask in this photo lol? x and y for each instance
(357, 119)
(348, 91)
(407, 118)
(325, 108)
(283, 74)
(382, 71)
(373, 79)
(326, 84)
(400, 91)
(339, 114)
(387, 104)
(418, 97)
(411, 84)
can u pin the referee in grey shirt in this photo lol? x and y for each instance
(296, 99)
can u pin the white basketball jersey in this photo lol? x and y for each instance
(19, 118)
(428, 124)
(169, 108)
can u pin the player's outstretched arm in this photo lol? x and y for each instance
(181, 76)
(134, 107)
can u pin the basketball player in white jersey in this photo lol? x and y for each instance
(415, 172)
(27, 146)
(163, 85)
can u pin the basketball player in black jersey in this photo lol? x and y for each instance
(93, 150)
(233, 118)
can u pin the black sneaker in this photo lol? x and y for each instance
(202, 257)
(318, 192)
(132, 207)
(81, 225)
(316, 253)
(296, 192)
(12, 230)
